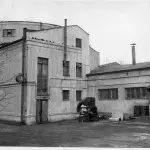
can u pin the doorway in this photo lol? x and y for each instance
(141, 111)
(42, 111)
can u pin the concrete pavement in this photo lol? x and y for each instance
(74, 134)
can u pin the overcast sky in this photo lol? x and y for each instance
(112, 24)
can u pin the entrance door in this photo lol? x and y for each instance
(141, 111)
(42, 111)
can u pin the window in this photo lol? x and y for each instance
(66, 68)
(107, 94)
(65, 95)
(9, 32)
(78, 95)
(136, 93)
(78, 69)
(42, 76)
(78, 43)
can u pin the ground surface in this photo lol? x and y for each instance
(74, 134)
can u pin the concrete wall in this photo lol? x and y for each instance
(120, 81)
(94, 58)
(57, 108)
(10, 90)
(54, 51)
(49, 44)
(73, 32)
(19, 25)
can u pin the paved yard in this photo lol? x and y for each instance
(74, 134)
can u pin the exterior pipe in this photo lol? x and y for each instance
(133, 54)
(65, 41)
(24, 77)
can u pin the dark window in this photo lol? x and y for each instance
(143, 92)
(66, 68)
(108, 94)
(9, 32)
(78, 95)
(42, 76)
(78, 43)
(136, 93)
(78, 69)
(65, 95)
(114, 93)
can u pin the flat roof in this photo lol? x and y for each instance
(116, 68)
(30, 22)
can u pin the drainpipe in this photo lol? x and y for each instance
(133, 54)
(23, 89)
(65, 41)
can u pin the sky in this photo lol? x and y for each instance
(112, 24)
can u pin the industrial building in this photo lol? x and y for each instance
(12, 30)
(47, 69)
(44, 74)
(122, 90)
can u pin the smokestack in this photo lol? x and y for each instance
(133, 54)
(65, 40)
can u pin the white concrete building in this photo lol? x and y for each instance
(12, 30)
(121, 89)
(55, 78)
(60, 68)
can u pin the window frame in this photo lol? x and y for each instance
(42, 80)
(80, 95)
(79, 68)
(78, 42)
(110, 93)
(66, 65)
(63, 98)
(6, 31)
(131, 93)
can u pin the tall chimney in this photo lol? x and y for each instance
(133, 54)
(65, 40)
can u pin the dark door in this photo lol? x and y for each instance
(42, 111)
(44, 115)
(147, 110)
(136, 111)
(144, 110)
(141, 111)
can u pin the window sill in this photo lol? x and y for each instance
(66, 75)
(9, 36)
(42, 97)
(79, 47)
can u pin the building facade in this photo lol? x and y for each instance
(12, 30)
(121, 89)
(47, 69)
(54, 79)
